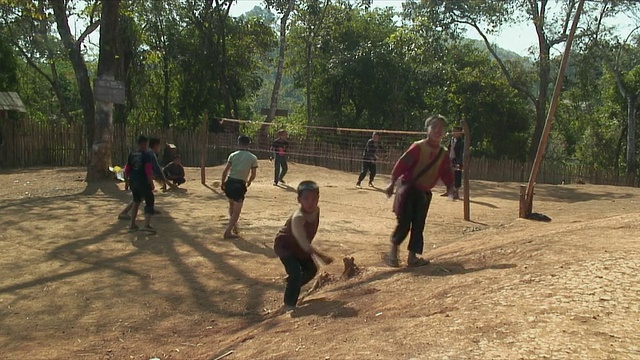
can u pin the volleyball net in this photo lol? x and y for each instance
(334, 148)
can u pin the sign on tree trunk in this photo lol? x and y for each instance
(109, 91)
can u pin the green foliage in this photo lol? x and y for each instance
(8, 67)
(356, 66)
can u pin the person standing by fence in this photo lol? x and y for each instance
(456, 152)
(280, 147)
(369, 158)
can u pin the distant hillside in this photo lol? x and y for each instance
(504, 54)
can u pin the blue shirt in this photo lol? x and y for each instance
(138, 161)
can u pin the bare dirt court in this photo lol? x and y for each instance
(75, 285)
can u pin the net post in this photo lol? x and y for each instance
(524, 209)
(204, 139)
(465, 171)
(544, 138)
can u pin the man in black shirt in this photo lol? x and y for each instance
(369, 158)
(280, 147)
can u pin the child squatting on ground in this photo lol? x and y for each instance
(139, 171)
(293, 243)
(174, 171)
(419, 169)
(241, 164)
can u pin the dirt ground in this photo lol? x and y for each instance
(74, 284)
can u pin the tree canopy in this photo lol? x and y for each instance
(343, 63)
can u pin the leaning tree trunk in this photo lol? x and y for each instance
(283, 49)
(107, 66)
(632, 100)
(262, 135)
(544, 76)
(309, 52)
(79, 66)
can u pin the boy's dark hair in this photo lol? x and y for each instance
(433, 118)
(281, 131)
(142, 139)
(153, 142)
(457, 128)
(244, 140)
(374, 134)
(307, 185)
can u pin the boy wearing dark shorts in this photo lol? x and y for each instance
(153, 148)
(241, 164)
(139, 171)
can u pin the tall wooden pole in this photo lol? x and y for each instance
(204, 139)
(465, 170)
(528, 201)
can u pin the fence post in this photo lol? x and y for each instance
(466, 166)
(523, 210)
(204, 139)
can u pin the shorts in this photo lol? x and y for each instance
(142, 191)
(235, 189)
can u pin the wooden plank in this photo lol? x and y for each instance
(465, 174)
(203, 150)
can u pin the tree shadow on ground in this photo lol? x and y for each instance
(325, 308)
(94, 254)
(249, 247)
(287, 187)
(552, 193)
(435, 269)
(482, 203)
(219, 192)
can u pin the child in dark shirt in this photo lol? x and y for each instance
(293, 243)
(369, 158)
(139, 171)
(280, 147)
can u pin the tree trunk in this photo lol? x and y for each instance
(44, 31)
(107, 66)
(283, 48)
(616, 158)
(308, 80)
(57, 89)
(632, 100)
(224, 81)
(273, 106)
(544, 75)
(166, 116)
(79, 67)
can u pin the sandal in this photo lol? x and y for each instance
(133, 228)
(418, 262)
(124, 217)
(149, 230)
(389, 261)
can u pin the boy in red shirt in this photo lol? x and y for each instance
(412, 211)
